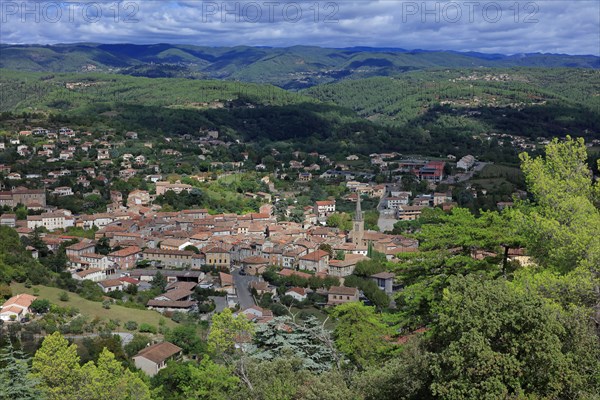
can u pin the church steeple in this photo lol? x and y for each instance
(358, 224)
(358, 214)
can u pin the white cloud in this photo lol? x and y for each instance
(562, 26)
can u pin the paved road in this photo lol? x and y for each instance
(241, 285)
(467, 175)
(220, 303)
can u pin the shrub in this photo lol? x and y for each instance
(147, 328)
(64, 296)
(206, 307)
(116, 294)
(90, 290)
(131, 325)
(106, 304)
(76, 325)
(178, 316)
(163, 330)
(33, 327)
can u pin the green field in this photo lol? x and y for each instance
(94, 309)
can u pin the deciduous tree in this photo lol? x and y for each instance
(360, 334)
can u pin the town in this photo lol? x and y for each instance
(359, 200)
(89, 189)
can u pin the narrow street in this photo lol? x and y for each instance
(241, 285)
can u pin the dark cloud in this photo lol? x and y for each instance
(488, 26)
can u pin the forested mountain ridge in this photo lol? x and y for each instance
(521, 101)
(434, 112)
(291, 67)
(254, 113)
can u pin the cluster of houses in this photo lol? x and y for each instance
(186, 241)
(62, 145)
(408, 208)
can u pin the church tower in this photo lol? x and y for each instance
(358, 224)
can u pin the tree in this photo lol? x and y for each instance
(103, 246)
(137, 343)
(58, 261)
(306, 341)
(367, 268)
(108, 380)
(342, 221)
(360, 334)
(563, 230)
(496, 340)
(403, 377)
(226, 330)
(40, 306)
(131, 325)
(279, 379)
(330, 385)
(209, 381)
(15, 381)
(37, 242)
(145, 327)
(159, 282)
(370, 290)
(327, 248)
(169, 382)
(186, 337)
(192, 248)
(56, 366)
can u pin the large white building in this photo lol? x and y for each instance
(394, 203)
(466, 162)
(51, 221)
(324, 208)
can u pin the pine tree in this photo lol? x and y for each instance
(307, 341)
(15, 380)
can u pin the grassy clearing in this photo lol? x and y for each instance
(94, 309)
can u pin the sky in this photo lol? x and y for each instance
(507, 27)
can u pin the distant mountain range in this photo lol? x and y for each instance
(294, 67)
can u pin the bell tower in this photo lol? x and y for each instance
(358, 224)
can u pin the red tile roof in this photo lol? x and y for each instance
(160, 352)
(315, 255)
(126, 252)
